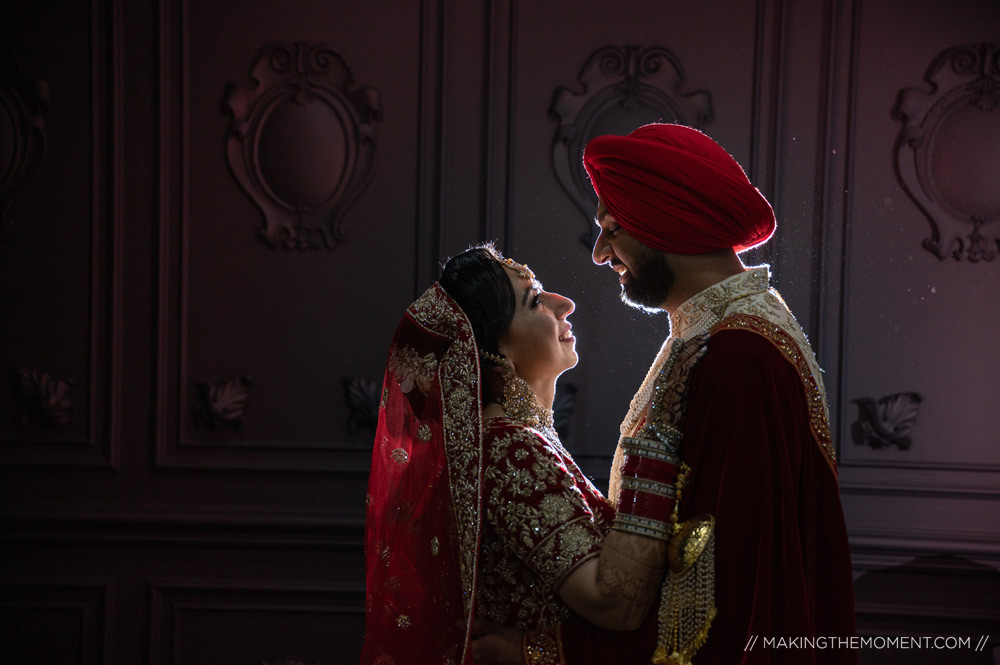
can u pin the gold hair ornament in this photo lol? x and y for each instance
(521, 270)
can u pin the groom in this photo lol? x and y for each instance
(675, 210)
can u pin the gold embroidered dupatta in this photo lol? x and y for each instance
(424, 513)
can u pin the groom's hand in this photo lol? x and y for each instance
(496, 644)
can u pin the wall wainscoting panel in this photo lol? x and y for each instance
(245, 621)
(55, 619)
(62, 272)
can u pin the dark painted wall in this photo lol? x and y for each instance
(183, 474)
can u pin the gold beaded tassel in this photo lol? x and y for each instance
(543, 646)
(687, 602)
(687, 608)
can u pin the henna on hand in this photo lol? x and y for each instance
(631, 571)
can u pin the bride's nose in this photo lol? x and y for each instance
(562, 305)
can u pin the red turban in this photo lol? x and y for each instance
(675, 189)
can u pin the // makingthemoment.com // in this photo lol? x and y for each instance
(858, 642)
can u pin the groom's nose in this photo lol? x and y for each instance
(602, 249)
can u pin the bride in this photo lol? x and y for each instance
(475, 510)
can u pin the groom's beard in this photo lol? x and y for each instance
(650, 280)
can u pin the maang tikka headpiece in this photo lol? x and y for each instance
(521, 270)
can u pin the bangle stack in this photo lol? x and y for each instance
(648, 499)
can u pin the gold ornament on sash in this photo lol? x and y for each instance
(687, 604)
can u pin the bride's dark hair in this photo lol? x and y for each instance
(479, 284)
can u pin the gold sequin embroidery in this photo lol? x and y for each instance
(411, 369)
(458, 372)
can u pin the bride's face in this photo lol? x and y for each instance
(538, 340)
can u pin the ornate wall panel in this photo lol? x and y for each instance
(913, 388)
(302, 142)
(946, 153)
(64, 620)
(60, 263)
(253, 343)
(22, 130)
(246, 621)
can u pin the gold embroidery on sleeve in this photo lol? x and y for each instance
(815, 394)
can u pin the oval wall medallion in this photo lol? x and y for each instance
(621, 89)
(301, 142)
(22, 133)
(946, 151)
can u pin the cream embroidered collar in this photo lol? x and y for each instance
(703, 310)
(695, 316)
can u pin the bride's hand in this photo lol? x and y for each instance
(496, 644)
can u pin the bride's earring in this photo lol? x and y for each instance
(518, 398)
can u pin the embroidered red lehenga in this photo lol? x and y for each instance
(463, 521)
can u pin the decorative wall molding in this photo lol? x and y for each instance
(180, 442)
(301, 141)
(886, 422)
(274, 613)
(620, 89)
(89, 436)
(222, 403)
(562, 408)
(911, 541)
(362, 397)
(932, 594)
(38, 612)
(946, 151)
(197, 528)
(42, 398)
(22, 100)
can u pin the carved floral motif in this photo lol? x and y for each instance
(43, 398)
(888, 421)
(362, 402)
(222, 403)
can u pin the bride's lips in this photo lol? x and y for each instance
(565, 335)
